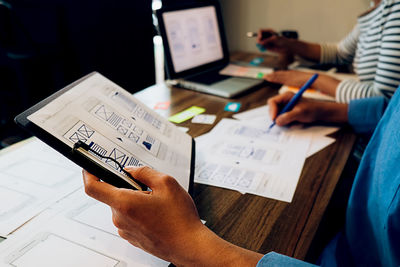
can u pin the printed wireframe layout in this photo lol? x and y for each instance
(40, 172)
(128, 128)
(96, 215)
(137, 112)
(230, 176)
(81, 131)
(248, 152)
(114, 124)
(256, 133)
(12, 201)
(48, 249)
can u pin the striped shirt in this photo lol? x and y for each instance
(374, 49)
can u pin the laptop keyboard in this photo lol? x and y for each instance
(208, 78)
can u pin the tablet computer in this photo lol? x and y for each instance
(103, 128)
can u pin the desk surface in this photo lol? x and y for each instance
(250, 221)
(254, 222)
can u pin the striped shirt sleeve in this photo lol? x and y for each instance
(377, 59)
(374, 48)
(341, 53)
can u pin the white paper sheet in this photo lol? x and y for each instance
(32, 177)
(318, 143)
(78, 231)
(251, 159)
(260, 116)
(204, 119)
(116, 124)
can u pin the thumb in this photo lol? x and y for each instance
(146, 175)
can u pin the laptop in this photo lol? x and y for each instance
(196, 50)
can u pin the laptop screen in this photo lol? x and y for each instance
(193, 36)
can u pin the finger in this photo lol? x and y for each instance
(274, 103)
(146, 175)
(259, 35)
(273, 108)
(288, 117)
(261, 31)
(99, 190)
(276, 77)
(272, 77)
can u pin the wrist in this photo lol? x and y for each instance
(333, 112)
(292, 45)
(326, 85)
(309, 51)
(208, 249)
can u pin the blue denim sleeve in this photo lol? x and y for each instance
(277, 260)
(364, 114)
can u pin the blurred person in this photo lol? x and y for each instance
(373, 47)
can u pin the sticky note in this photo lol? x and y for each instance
(186, 114)
(257, 61)
(204, 119)
(232, 106)
(260, 75)
(162, 105)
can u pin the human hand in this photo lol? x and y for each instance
(290, 77)
(324, 83)
(271, 40)
(306, 110)
(159, 221)
(165, 222)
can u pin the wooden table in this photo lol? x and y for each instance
(250, 221)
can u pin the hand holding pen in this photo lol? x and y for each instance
(272, 40)
(263, 38)
(293, 101)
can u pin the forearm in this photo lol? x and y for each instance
(207, 249)
(332, 112)
(309, 51)
(326, 84)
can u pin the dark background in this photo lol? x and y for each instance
(47, 44)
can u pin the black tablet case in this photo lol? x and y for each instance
(87, 164)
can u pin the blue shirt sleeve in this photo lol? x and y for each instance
(277, 260)
(364, 114)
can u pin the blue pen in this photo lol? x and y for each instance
(289, 106)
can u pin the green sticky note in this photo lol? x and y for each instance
(186, 114)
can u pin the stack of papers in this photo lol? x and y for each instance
(48, 220)
(76, 231)
(244, 155)
(33, 176)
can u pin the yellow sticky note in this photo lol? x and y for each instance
(186, 114)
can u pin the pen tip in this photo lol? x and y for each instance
(270, 127)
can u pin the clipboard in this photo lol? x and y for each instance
(88, 160)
